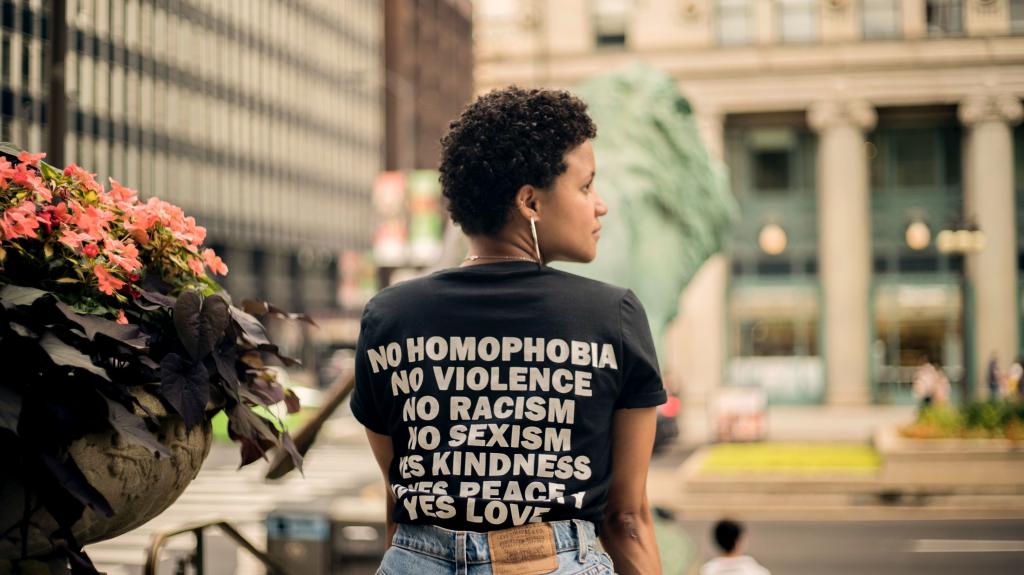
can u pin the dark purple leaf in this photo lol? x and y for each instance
(22, 330)
(158, 299)
(213, 320)
(68, 475)
(273, 350)
(253, 449)
(200, 323)
(225, 360)
(63, 354)
(80, 562)
(252, 330)
(186, 321)
(243, 422)
(133, 429)
(292, 316)
(254, 307)
(12, 295)
(268, 392)
(291, 401)
(127, 334)
(289, 445)
(10, 408)
(186, 386)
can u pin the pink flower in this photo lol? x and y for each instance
(73, 239)
(107, 282)
(20, 221)
(29, 180)
(123, 255)
(93, 221)
(121, 319)
(29, 158)
(87, 179)
(123, 197)
(214, 262)
(6, 172)
(91, 250)
(196, 266)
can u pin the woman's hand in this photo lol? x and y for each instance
(627, 532)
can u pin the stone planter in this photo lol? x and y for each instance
(956, 465)
(138, 485)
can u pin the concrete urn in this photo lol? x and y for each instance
(138, 484)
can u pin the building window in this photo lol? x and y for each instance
(882, 19)
(611, 18)
(945, 17)
(1016, 16)
(798, 21)
(735, 22)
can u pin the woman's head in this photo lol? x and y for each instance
(517, 154)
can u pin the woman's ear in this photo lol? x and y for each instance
(528, 202)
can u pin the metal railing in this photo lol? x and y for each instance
(196, 558)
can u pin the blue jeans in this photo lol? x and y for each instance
(429, 550)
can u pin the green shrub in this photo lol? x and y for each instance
(978, 419)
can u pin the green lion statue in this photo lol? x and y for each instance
(669, 207)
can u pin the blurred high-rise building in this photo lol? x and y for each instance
(868, 143)
(262, 118)
(428, 54)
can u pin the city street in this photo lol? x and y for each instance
(879, 547)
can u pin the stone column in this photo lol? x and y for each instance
(989, 202)
(844, 248)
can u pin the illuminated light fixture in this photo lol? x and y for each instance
(918, 235)
(772, 239)
(960, 239)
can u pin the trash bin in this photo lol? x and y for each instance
(300, 539)
(359, 532)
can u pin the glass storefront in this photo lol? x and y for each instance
(774, 295)
(917, 292)
(774, 334)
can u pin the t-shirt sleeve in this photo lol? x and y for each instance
(641, 377)
(366, 406)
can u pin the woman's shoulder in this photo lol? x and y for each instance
(589, 285)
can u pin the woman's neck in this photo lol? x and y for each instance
(491, 249)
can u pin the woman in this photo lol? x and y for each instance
(511, 406)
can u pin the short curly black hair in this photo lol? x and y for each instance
(504, 140)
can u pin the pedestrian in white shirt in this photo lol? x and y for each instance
(729, 538)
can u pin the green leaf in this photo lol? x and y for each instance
(49, 171)
(63, 354)
(12, 295)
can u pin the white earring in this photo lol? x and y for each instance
(536, 244)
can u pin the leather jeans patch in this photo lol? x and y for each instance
(524, 550)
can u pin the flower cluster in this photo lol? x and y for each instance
(101, 236)
(105, 298)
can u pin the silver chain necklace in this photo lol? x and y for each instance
(518, 258)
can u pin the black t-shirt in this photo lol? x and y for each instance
(497, 384)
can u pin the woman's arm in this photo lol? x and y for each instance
(383, 452)
(627, 532)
